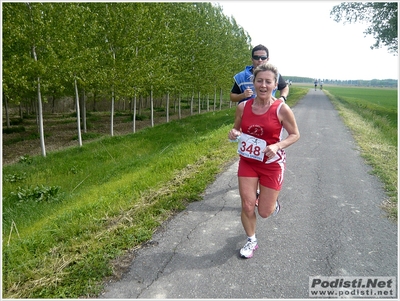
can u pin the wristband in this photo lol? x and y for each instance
(284, 97)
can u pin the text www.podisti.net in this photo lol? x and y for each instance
(349, 287)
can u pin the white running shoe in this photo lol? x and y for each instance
(248, 250)
(277, 208)
(257, 196)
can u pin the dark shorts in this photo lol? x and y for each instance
(270, 175)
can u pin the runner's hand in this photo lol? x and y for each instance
(233, 134)
(248, 92)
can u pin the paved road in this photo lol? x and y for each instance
(330, 224)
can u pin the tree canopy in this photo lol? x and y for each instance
(381, 17)
(124, 47)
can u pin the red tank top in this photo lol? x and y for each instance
(266, 126)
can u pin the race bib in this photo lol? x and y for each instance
(251, 147)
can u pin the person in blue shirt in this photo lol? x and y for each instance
(243, 88)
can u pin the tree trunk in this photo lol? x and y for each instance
(167, 107)
(134, 114)
(40, 111)
(191, 103)
(6, 109)
(94, 101)
(152, 107)
(40, 116)
(175, 98)
(84, 112)
(112, 112)
(199, 101)
(33, 108)
(53, 104)
(179, 106)
(220, 100)
(215, 98)
(21, 114)
(78, 115)
(140, 105)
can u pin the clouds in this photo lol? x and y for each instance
(304, 41)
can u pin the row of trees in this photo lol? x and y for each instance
(117, 50)
(387, 83)
(390, 83)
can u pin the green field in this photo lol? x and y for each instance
(382, 98)
(382, 102)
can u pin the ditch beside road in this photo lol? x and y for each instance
(330, 224)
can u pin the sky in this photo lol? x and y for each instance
(303, 40)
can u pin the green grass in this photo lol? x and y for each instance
(371, 114)
(295, 94)
(377, 104)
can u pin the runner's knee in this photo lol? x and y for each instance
(265, 213)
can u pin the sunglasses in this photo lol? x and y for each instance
(262, 57)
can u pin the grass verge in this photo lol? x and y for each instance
(374, 128)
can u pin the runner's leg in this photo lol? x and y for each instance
(267, 201)
(247, 187)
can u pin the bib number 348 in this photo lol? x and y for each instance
(251, 147)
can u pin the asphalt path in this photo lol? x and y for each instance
(330, 224)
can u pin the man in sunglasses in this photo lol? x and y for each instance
(243, 88)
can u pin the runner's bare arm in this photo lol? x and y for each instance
(235, 132)
(289, 123)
